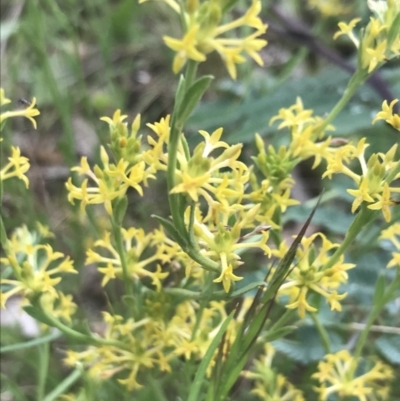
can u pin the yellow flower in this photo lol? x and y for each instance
(309, 274)
(388, 115)
(203, 30)
(268, 384)
(185, 48)
(347, 29)
(136, 243)
(29, 112)
(16, 167)
(3, 99)
(337, 375)
(36, 267)
(376, 55)
(227, 275)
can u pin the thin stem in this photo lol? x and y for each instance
(355, 82)
(364, 217)
(122, 255)
(80, 337)
(64, 385)
(44, 353)
(322, 333)
(391, 289)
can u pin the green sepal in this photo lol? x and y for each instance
(192, 97)
(172, 231)
(119, 206)
(379, 290)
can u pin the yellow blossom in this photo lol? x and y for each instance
(29, 112)
(309, 274)
(268, 384)
(136, 243)
(347, 29)
(36, 267)
(227, 276)
(388, 115)
(336, 375)
(16, 167)
(203, 32)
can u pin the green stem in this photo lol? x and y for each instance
(32, 343)
(322, 333)
(122, 255)
(387, 297)
(355, 82)
(80, 337)
(282, 320)
(363, 217)
(64, 385)
(44, 353)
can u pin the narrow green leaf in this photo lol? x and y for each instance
(394, 31)
(171, 230)
(32, 343)
(379, 290)
(64, 385)
(201, 372)
(180, 92)
(37, 314)
(192, 97)
(278, 333)
(120, 206)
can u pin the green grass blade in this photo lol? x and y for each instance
(32, 343)
(201, 372)
(64, 385)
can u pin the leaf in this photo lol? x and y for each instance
(201, 372)
(32, 343)
(379, 290)
(171, 230)
(279, 333)
(192, 97)
(37, 314)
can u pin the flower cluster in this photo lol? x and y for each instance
(380, 40)
(154, 341)
(111, 181)
(309, 274)
(337, 375)
(268, 384)
(136, 243)
(203, 30)
(37, 268)
(374, 184)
